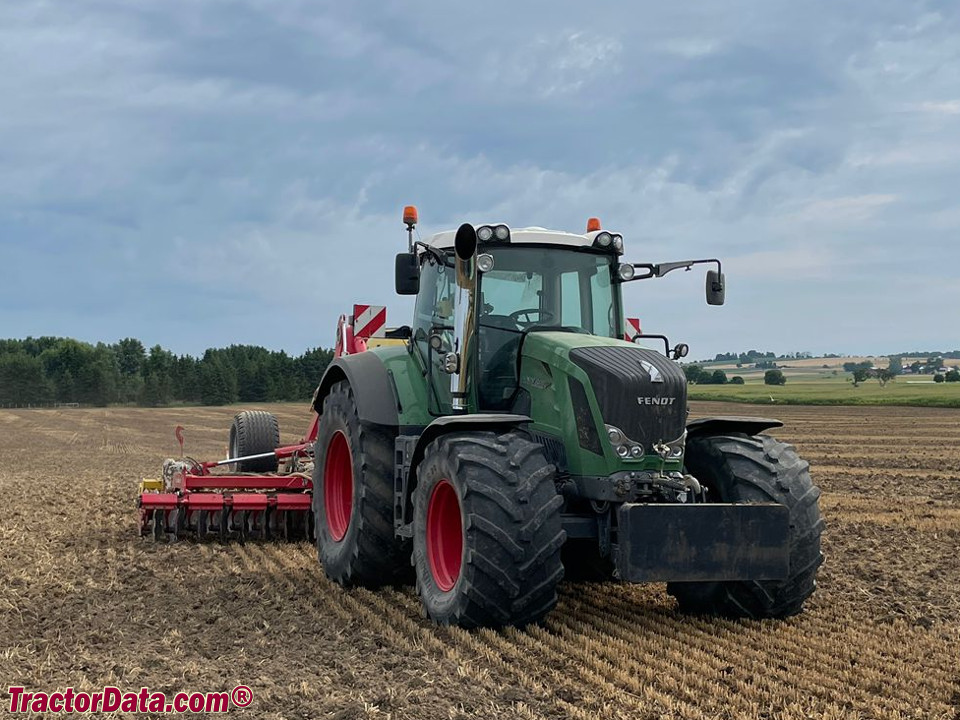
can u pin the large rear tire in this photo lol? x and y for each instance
(487, 531)
(353, 497)
(254, 432)
(739, 468)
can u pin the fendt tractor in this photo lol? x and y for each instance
(514, 434)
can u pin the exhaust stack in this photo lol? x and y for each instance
(465, 247)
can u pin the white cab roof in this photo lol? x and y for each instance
(536, 235)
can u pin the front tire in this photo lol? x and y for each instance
(353, 497)
(487, 531)
(739, 468)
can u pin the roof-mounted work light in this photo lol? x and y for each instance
(608, 241)
(493, 233)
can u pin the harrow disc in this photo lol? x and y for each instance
(227, 521)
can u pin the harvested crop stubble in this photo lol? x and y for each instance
(86, 603)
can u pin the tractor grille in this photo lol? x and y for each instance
(639, 391)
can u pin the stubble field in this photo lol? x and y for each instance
(84, 602)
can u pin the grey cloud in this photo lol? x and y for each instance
(191, 172)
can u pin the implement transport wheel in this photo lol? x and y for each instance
(353, 497)
(254, 432)
(487, 530)
(738, 468)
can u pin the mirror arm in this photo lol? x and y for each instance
(663, 268)
(650, 270)
(439, 256)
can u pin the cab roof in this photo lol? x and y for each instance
(532, 235)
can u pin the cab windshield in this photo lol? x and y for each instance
(538, 288)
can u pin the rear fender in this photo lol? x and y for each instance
(730, 424)
(373, 389)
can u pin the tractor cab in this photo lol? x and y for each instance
(533, 281)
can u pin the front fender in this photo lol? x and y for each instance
(459, 423)
(730, 424)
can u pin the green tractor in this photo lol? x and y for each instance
(514, 437)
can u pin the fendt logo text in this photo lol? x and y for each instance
(655, 400)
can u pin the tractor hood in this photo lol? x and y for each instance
(640, 392)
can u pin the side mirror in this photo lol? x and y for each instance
(407, 274)
(716, 288)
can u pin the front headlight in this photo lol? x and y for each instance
(625, 448)
(676, 447)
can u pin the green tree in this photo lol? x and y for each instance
(694, 373)
(859, 375)
(939, 378)
(131, 357)
(309, 369)
(97, 380)
(218, 383)
(774, 377)
(185, 375)
(952, 376)
(895, 366)
(22, 381)
(155, 390)
(736, 380)
(62, 364)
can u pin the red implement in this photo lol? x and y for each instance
(264, 490)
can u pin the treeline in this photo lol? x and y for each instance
(754, 356)
(45, 370)
(949, 354)
(751, 356)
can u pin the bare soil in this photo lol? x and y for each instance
(84, 602)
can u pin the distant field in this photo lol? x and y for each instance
(832, 391)
(806, 363)
(822, 381)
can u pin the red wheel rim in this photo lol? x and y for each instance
(338, 486)
(444, 535)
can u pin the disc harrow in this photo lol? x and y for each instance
(262, 491)
(193, 500)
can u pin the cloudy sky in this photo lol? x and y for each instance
(198, 174)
